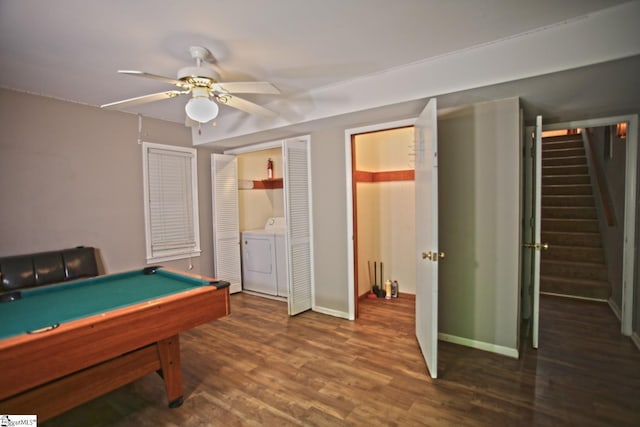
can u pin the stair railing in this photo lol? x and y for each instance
(603, 191)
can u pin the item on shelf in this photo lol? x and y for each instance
(270, 169)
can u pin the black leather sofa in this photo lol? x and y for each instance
(43, 268)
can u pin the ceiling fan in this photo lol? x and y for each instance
(206, 89)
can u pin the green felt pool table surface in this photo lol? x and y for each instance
(56, 304)
(63, 345)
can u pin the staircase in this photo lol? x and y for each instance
(574, 265)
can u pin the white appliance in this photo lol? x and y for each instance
(264, 267)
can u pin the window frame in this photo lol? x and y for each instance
(172, 253)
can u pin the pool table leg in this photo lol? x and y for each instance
(169, 355)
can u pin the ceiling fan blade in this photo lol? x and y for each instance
(169, 80)
(246, 106)
(246, 87)
(143, 99)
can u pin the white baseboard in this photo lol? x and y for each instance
(267, 296)
(616, 310)
(321, 310)
(573, 297)
(498, 349)
(331, 312)
(636, 339)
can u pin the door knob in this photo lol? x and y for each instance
(433, 256)
(536, 246)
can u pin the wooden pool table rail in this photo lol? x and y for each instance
(103, 352)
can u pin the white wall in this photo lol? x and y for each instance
(614, 172)
(398, 242)
(75, 177)
(329, 220)
(386, 210)
(256, 205)
(72, 175)
(479, 223)
(606, 35)
(368, 233)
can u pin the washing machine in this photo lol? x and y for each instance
(264, 259)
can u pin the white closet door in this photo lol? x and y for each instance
(428, 253)
(226, 228)
(297, 184)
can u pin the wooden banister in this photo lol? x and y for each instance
(605, 196)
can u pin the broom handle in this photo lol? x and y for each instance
(375, 273)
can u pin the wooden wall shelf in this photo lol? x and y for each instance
(398, 175)
(268, 184)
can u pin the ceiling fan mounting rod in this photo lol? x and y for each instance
(199, 53)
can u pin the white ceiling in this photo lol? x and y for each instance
(71, 49)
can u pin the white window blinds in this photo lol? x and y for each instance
(171, 202)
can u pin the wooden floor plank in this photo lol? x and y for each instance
(259, 367)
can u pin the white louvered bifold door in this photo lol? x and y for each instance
(226, 229)
(297, 184)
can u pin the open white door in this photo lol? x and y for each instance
(532, 228)
(535, 246)
(226, 228)
(297, 198)
(427, 257)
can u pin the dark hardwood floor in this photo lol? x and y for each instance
(258, 367)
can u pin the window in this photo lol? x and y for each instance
(170, 202)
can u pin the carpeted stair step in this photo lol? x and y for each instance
(565, 161)
(573, 269)
(573, 225)
(574, 264)
(562, 139)
(569, 212)
(567, 190)
(551, 153)
(558, 252)
(568, 200)
(567, 238)
(565, 179)
(565, 170)
(595, 289)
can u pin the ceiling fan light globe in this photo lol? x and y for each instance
(201, 109)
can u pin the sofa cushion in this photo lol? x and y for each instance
(79, 262)
(48, 268)
(17, 272)
(44, 268)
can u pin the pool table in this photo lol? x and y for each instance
(63, 345)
